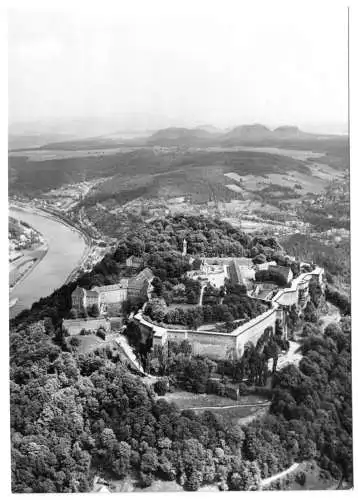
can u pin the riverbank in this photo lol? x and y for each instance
(16, 276)
(52, 215)
(67, 247)
(88, 240)
(25, 264)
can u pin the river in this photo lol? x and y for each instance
(66, 248)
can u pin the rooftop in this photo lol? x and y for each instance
(145, 274)
(109, 288)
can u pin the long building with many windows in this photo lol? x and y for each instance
(110, 298)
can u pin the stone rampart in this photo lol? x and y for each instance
(290, 296)
(220, 345)
(75, 326)
(253, 329)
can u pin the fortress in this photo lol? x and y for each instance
(220, 345)
(216, 272)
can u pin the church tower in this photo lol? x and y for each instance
(185, 247)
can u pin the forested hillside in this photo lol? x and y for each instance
(74, 415)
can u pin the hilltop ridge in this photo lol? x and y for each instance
(200, 136)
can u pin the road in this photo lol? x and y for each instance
(122, 342)
(267, 403)
(269, 480)
(201, 295)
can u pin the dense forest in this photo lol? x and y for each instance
(74, 415)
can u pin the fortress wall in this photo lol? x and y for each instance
(177, 335)
(160, 340)
(212, 345)
(253, 332)
(74, 326)
(218, 345)
(287, 297)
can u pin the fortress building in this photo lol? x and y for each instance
(217, 271)
(110, 298)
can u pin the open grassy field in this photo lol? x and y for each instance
(240, 412)
(63, 154)
(185, 400)
(91, 342)
(315, 478)
(158, 486)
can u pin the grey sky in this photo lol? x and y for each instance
(215, 64)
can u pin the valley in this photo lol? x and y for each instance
(294, 186)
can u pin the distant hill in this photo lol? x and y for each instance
(200, 136)
(287, 130)
(256, 132)
(198, 175)
(207, 135)
(291, 132)
(29, 141)
(180, 136)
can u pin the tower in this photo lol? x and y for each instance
(185, 247)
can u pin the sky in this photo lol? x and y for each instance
(180, 63)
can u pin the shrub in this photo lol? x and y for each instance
(93, 311)
(259, 259)
(244, 389)
(271, 275)
(301, 478)
(101, 333)
(161, 386)
(73, 314)
(74, 341)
